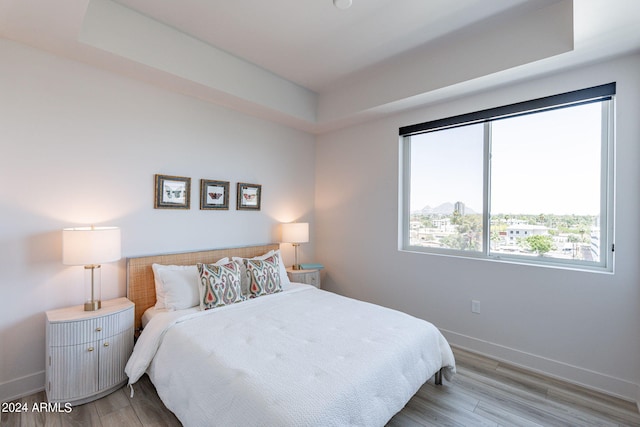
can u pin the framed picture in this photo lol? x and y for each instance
(172, 192)
(248, 196)
(214, 194)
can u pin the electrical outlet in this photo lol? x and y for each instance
(475, 306)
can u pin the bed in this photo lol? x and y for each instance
(297, 356)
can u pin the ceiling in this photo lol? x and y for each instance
(312, 66)
(313, 43)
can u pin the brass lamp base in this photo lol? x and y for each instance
(92, 305)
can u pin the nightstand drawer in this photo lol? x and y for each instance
(87, 330)
(310, 277)
(313, 279)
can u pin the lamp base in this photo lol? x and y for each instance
(92, 287)
(295, 265)
(92, 305)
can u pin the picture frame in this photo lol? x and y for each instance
(214, 195)
(248, 196)
(172, 192)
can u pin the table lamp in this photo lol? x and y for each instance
(295, 233)
(91, 246)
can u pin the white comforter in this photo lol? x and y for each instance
(304, 357)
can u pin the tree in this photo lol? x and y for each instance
(456, 218)
(469, 233)
(541, 219)
(539, 243)
(572, 238)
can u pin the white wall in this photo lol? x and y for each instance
(81, 146)
(580, 326)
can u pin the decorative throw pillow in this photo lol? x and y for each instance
(264, 276)
(284, 278)
(177, 286)
(219, 285)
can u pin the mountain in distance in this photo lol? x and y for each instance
(445, 209)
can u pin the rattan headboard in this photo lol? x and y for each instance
(140, 283)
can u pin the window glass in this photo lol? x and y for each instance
(446, 189)
(534, 186)
(545, 183)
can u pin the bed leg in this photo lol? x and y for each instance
(438, 377)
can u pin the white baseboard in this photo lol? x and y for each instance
(586, 378)
(22, 386)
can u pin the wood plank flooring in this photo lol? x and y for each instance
(483, 393)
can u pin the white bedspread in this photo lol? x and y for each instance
(304, 357)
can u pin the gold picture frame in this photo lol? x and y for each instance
(214, 195)
(172, 192)
(248, 196)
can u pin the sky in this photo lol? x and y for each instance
(540, 163)
(447, 167)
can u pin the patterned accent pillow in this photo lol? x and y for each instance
(284, 279)
(219, 285)
(264, 276)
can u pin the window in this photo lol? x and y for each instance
(530, 182)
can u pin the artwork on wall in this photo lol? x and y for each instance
(214, 194)
(172, 192)
(248, 196)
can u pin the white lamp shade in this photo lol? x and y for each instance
(295, 232)
(90, 245)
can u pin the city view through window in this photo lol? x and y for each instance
(452, 226)
(541, 186)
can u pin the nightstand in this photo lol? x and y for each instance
(87, 351)
(310, 277)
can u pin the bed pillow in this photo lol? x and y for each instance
(284, 279)
(177, 286)
(264, 276)
(219, 285)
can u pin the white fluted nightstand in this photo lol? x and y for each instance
(87, 351)
(310, 277)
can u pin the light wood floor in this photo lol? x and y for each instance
(482, 393)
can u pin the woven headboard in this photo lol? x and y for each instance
(141, 287)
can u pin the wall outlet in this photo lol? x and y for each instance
(475, 306)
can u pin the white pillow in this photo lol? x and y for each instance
(177, 286)
(284, 279)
